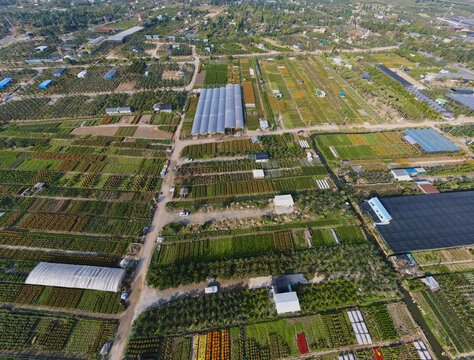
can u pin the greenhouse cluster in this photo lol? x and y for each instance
(219, 109)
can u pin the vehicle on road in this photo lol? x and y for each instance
(184, 213)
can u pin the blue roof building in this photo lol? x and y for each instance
(111, 74)
(5, 82)
(45, 84)
(379, 210)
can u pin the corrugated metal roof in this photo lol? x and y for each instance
(379, 210)
(76, 276)
(122, 35)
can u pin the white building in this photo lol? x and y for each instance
(401, 175)
(82, 74)
(258, 174)
(283, 204)
(286, 302)
(212, 289)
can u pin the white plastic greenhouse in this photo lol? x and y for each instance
(76, 276)
(219, 109)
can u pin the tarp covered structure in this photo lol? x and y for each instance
(76, 276)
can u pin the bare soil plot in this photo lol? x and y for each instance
(102, 130)
(151, 132)
(126, 86)
(200, 78)
(171, 75)
(145, 119)
(126, 120)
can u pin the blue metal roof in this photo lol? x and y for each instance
(4, 82)
(379, 210)
(45, 84)
(431, 141)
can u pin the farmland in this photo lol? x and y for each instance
(448, 311)
(291, 88)
(263, 340)
(76, 200)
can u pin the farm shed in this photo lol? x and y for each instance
(59, 72)
(219, 109)
(97, 40)
(261, 157)
(422, 222)
(462, 91)
(346, 357)
(45, 84)
(264, 124)
(379, 210)
(110, 74)
(119, 110)
(163, 107)
(211, 289)
(283, 203)
(431, 283)
(76, 276)
(121, 36)
(82, 74)
(258, 174)
(5, 82)
(401, 175)
(429, 140)
(286, 302)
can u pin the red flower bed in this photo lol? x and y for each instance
(303, 347)
(378, 354)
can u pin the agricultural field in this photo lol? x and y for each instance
(390, 60)
(263, 340)
(131, 77)
(449, 311)
(84, 106)
(287, 170)
(87, 198)
(304, 92)
(53, 334)
(365, 146)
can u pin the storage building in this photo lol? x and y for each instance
(401, 175)
(82, 74)
(283, 204)
(258, 174)
(286, 302)
(97, 40)
(379, 210)
(45, 84)
(261, 157)
(163, 107)
(59, 72)
(76, 276)
(110, 74)
(119, 110)
(5, 82)
(121, 36)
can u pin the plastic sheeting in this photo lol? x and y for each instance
(76, 276)
(219, 109)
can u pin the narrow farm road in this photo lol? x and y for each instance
(61, 310)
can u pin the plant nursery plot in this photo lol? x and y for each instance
(26, 331)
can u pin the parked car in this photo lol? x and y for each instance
(184, 213)
(188, 160)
